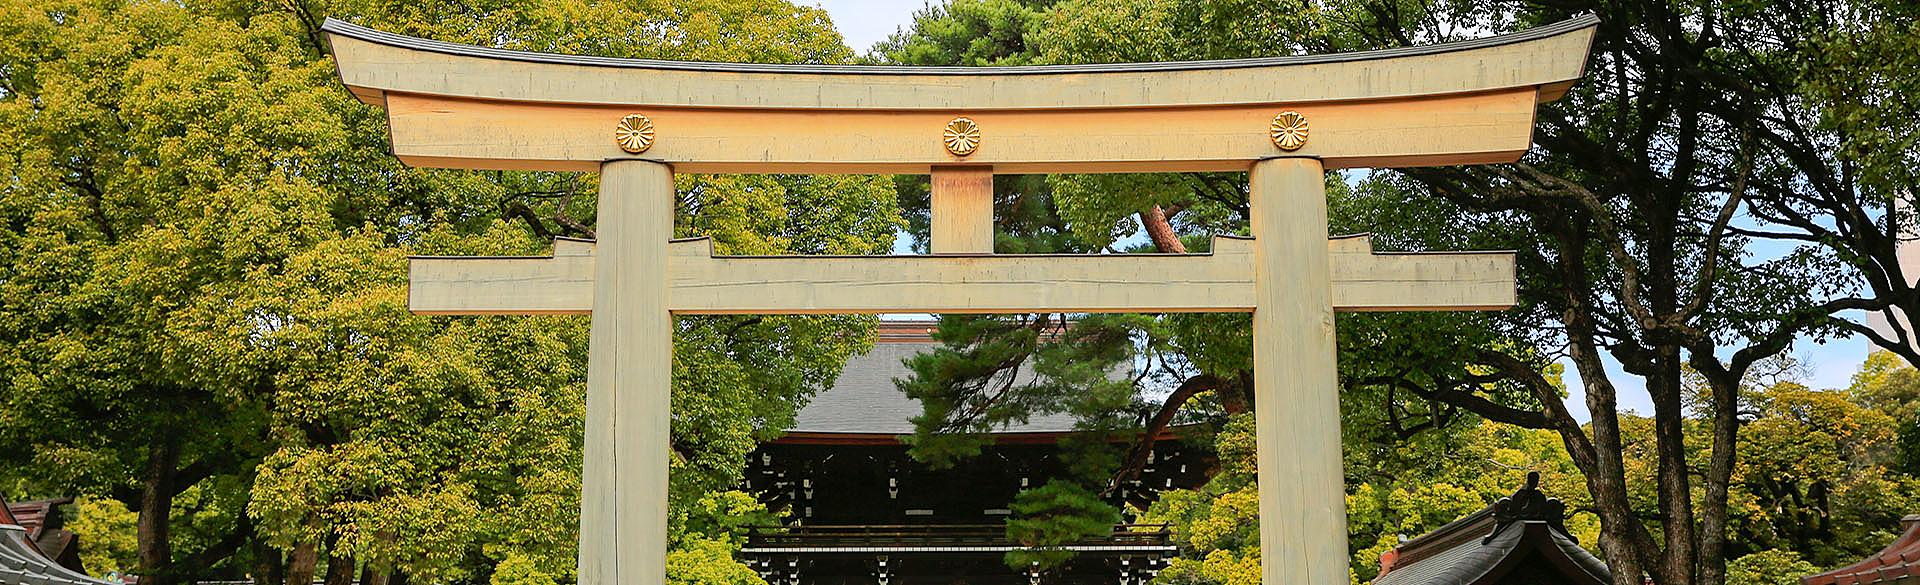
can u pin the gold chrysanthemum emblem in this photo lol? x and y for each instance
(962, 136)
(1289, 130)
(634, 134)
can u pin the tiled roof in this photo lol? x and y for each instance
(1471, 550)
(22, 561)
(33, 515)
(864, 399)
(1898, 564)
(41, 518)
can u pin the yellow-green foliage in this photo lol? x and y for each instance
(1887, 384)
(1769, 567)
(704, 561)
(1813, 476)
(206, 249)
(105, 530)
(1425, 489)
(518, 569)
(1217, 526)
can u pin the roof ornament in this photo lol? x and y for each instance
(1529, 504)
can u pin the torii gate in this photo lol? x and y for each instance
(639, 121)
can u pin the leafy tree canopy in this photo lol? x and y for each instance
(204, 280)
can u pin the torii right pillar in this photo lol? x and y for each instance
(1303, 519)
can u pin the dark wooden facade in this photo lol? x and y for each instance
(47, 528)
(866, 513)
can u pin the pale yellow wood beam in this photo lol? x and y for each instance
(472, 107)
(374, 64)
(1489, 127)
(623, 504)
(1303, 522)
(962, 209)
(1223, 281)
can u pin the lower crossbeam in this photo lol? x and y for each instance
(1221, 281)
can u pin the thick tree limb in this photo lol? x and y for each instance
(1159, 227)
(1136, 460)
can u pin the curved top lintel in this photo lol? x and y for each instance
(342, 28)
(373, 62)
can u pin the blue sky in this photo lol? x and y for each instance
(865, 22)
(1829, 365)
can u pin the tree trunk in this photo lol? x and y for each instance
(1620, 529)
(1136, 461)
(376, 573)
(300, 567)
(1670, 444)
(372, 576)
(1160, 230)
(1608, 485)
(269, 566)
(156, 505)
(1725, 388)
(340, 569)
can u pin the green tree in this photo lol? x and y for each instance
(140, 214)
(1773, 567)
(1887, 384)
(105, 530)
(1815, 480)
(966, 32)
(1186, 367)
(1217, 525)
(203, 282)
(1908, 457)
(1699, 131)
(1415, 486)
(1813, 477)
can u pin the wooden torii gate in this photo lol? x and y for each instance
(1286, 120)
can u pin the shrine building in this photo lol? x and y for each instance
(861, 510)
(1897, 564)
(35, 549)
(1520, 540)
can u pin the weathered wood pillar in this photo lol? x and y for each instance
(1303, 517)
(623, 508)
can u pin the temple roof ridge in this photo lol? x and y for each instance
(1484, 547)
(864, 399)
(1897, 564)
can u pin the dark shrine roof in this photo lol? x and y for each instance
(1484, 546)
(865, 401)
(32, 515)
(1898, 564)
(23, 561)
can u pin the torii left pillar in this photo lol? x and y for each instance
(623, 511)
